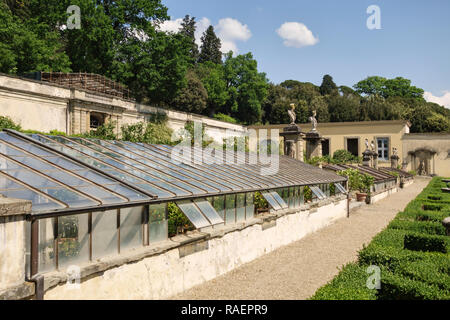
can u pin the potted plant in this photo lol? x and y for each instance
(365, 186)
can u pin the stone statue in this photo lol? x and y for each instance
(367, 144)
(394, 151)
(372, 145)
(292, 114)
(313, 121)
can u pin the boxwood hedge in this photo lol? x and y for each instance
(412, 253)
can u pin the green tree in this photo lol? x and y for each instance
(210, 48)
(193, 97)
(188, 27)
(343, 108)
(23, 48)
(213, 78)
(397, 87)
(154, 69)
(247, 87)
(328, 86)
(319, 104)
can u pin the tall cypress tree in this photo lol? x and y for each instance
(188, 30)
(328, 86)
(210, 48)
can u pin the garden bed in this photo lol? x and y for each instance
(413, 254)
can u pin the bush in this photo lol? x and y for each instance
(350, 284)
(260, 202)
(426, 227)
(307, 194)
(343, 156)
(226, 118)
(177, 220)
(423, 242)
(398, 287)
(8, 123)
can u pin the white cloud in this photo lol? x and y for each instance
(443, 101)
(202, 25)
(296, 34)
(171, 25)
(229, 31)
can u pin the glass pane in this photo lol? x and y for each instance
(103, 195)
(208, 210)
(193, 214)
(282, 204)
(64, 163)
(240, 207)
(73, 199)
(250, 206)
(270, 199)
(131, 228)
(158, 231)
(32, 179)
(127, 192)
(66, 178)
(46, 245)
(230, 204)
(104, 234)
(73, 240)
(291, 197)
(219, 205)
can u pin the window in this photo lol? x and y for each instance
(352, 146)
(383, 148)
(96, 120)
(326, 147)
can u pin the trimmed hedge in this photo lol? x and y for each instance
(412, 253)
(424, 242)
(350, 284)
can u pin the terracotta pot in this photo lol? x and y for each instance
(360, 197)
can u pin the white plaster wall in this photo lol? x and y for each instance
(34, 112)
(383, 195)
(162, 276)
(12, 251)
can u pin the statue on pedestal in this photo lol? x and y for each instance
(394, 151)
(372, 145)
(313, 121)
(291, 113)
(367, 144)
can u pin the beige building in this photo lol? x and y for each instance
(427, 152)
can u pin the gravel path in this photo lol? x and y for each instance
(297, 270)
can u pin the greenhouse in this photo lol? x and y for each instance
(92, 198)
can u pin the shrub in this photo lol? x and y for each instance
(350, 284)
(423, 242)
(177, 220)
(8, 123)
(343, 156)
(226, 118)
(307, 194)
(398, 287)
(427, 227)
(260, 202)
(432, 207)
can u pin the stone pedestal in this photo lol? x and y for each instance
(394, 161)
(313, 144)
(367, 158)
(375, 159)
(293, 142)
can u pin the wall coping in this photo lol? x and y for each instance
(91, 269)
(14, 207)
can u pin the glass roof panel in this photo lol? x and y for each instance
(280, 200)
(270, 199)
(193, 214)
(104, 196)
(38, 202)
(208, 210)
(73, 199)
(32, 179)
(125, 191)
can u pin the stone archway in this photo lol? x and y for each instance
(423, 161)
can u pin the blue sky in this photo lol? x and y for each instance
(413, 42)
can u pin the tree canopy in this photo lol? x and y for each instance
(122, 40)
